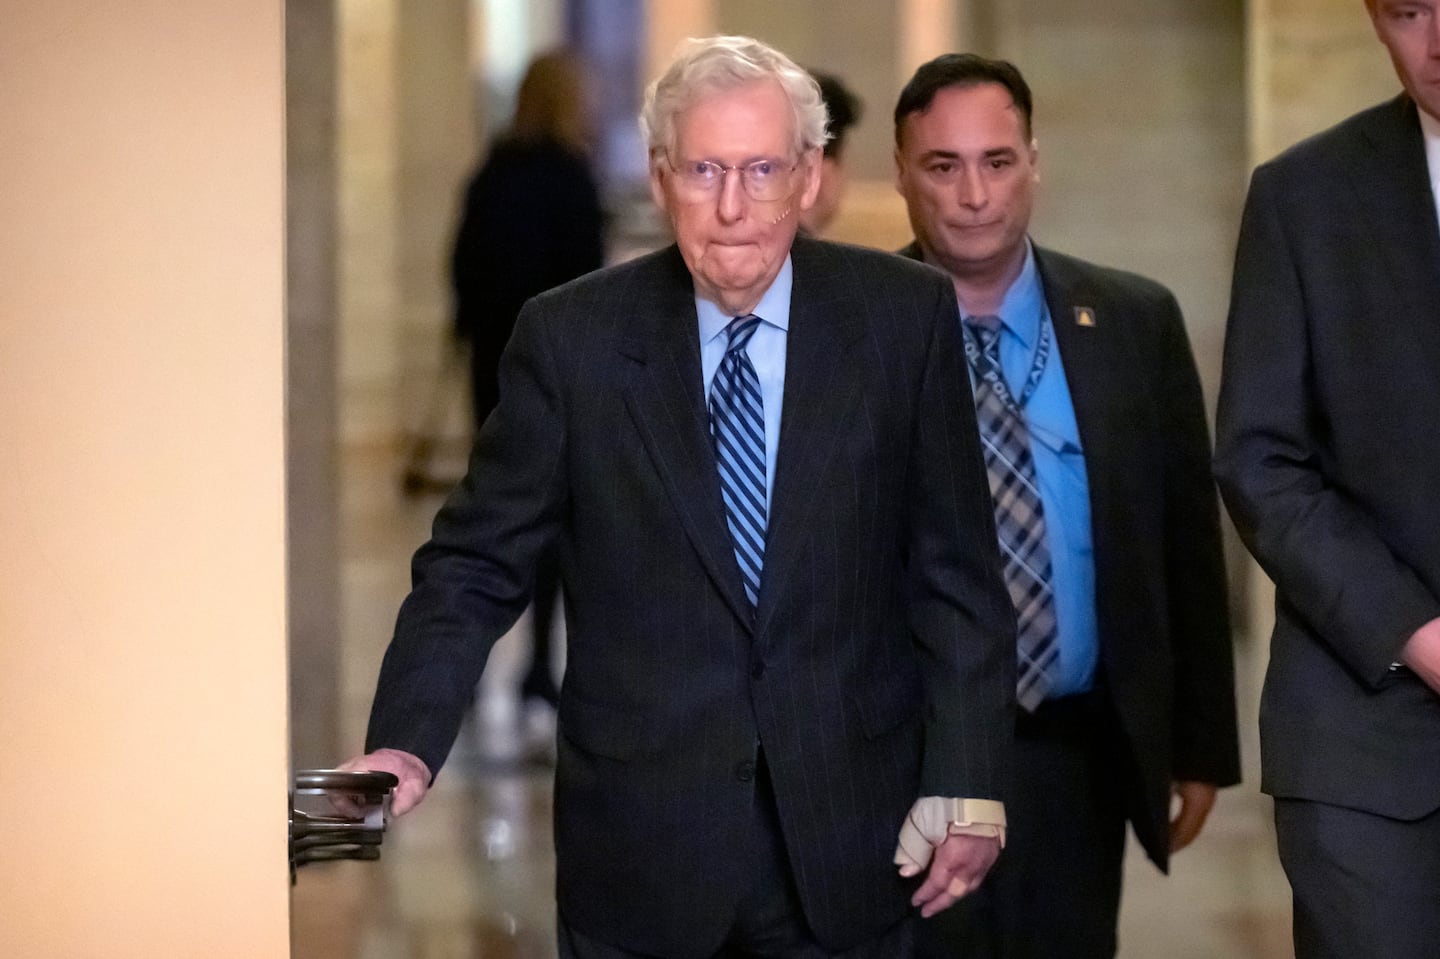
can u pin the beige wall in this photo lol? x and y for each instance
(142, 677)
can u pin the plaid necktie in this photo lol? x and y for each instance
(1019, 514)
(737, 426)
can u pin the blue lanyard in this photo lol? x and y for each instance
(990, 373)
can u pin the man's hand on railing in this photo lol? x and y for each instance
(413, 774)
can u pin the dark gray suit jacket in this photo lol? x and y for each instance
(1165, 647)
(878, 667)
(1328, 456)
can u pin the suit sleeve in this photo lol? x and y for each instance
(473, 579)
(960, 611)
(1328, 563)
(1206, 740)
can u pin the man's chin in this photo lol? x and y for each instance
(732, 278)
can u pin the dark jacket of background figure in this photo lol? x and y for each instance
(532, 220)
(1329, 456)
(879, 665)
(1166, 659)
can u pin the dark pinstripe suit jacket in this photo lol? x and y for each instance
(878, 666)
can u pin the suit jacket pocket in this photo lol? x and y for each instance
(600, 729)
(889, 705)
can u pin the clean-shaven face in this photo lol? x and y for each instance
(733, 244)
(1410, 30)
(968, 175)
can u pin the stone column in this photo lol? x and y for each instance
(311, 467)
(436, 145)
(1312, 63)
(406, 141)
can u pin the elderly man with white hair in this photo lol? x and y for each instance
(790, 679)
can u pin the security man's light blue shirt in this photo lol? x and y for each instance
(1060, 473)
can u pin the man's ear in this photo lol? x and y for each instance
(811, 161)
(657, 185)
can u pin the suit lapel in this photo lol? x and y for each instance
(1081, 347)
(820, 391)
(665, 398)
(1091, 376)
(1392, 182)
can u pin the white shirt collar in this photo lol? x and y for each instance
(1430, 127)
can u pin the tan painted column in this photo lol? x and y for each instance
(142, 585)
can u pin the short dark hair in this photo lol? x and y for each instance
(962, 70)
(842, 106)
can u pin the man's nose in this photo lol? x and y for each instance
(972, 189)
(731, 204)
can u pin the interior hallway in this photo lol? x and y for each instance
(469, 875)
(1148, 176)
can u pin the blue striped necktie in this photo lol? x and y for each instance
(1019, 515)
(737, 426)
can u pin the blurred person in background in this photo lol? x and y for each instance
(1098, 452)
(532, 220)
(843, 109)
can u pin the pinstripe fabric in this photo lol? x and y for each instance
(878, 665)
(1019, 515)
(737, 427)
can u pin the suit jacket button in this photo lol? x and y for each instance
(745, 771)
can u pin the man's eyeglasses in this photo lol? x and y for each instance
(765, 180)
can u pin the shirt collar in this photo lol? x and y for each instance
(1024, 300)
(1430, 127)
(773, 308)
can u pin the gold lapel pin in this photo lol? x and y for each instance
(1084, 316)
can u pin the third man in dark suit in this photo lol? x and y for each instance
(1097, 448)
(1329, 460)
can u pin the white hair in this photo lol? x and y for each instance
(714, 64)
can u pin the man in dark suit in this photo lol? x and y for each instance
(1097, 448)
(1328, 458)
(787, 633)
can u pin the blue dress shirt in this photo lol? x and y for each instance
(767, 354)
(1060, 473)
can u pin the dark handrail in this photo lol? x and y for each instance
(331, 836)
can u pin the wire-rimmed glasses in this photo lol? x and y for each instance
(765, 180)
